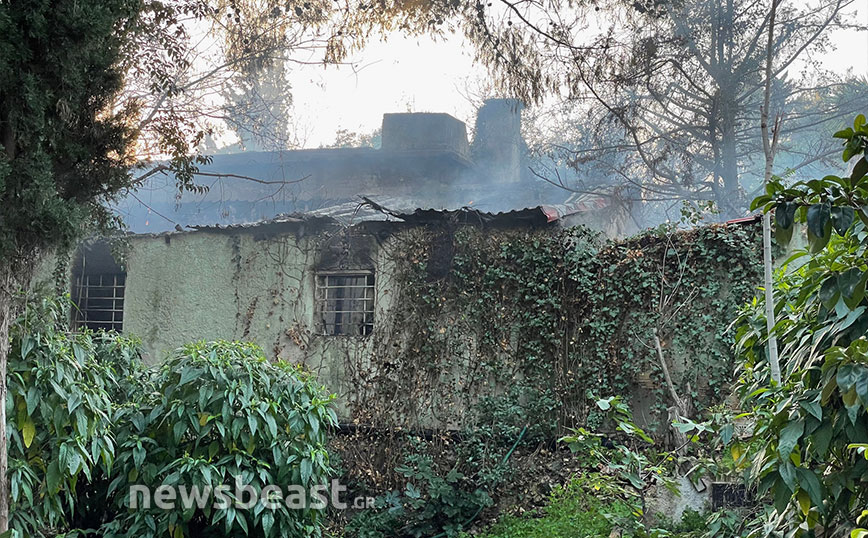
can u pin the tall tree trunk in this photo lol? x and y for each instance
(13, 278)
(732, 203)
(6, 298)
(770, 146)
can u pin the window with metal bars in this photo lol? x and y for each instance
(345, 303)
(99, 301)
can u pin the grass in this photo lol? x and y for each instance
(574, 511)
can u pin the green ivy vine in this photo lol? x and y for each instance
(506, 327)
(500, 334)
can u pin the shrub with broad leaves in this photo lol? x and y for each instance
(808, 427)
(89, 422)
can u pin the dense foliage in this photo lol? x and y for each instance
(65, 143)
(90, 422)
(810, 429)
(502, 332)
(610, 496)
(547, 316)
(63, 389)
(65, 149)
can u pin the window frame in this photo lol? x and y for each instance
(321, 300)
(82, 298)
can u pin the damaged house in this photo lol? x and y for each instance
(424, 161)
(323, 260)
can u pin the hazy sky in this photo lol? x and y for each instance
(416, 74)
(421, 75)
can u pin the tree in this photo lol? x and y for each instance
(811, 430)
(213, 66)
(770, 147)
(667, 95)
(258, 108)
(350, 139)
(66, 147)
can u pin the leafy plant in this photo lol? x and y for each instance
(636, 466)
(436, 501)
(439, 497)
(214, 413)
(89, 422)
(62, 390)
(805, 426)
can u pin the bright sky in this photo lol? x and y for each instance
(400, 75)
(423, 75)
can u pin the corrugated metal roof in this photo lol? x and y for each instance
(536, 215)
(393, 209)
(746, 220)
(294, 218)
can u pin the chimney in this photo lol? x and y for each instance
(415, 131)
(498, 147)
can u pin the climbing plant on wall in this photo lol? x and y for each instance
(499, 334)
(526, 321)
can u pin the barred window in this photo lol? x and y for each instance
(100, 301)
(98, 283)
(346, 303)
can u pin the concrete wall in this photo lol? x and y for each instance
(241, 285)
(257, 284)
(253, 283)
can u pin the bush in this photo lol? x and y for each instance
(214, 413)
(440, 495)
(810, 427)
(61, 415)
(89, 422)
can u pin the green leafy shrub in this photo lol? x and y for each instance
(213, 413)
(89, 422)
(807, 428)
(62, 411)
(634, 464)
(439, 501)
(439, 498)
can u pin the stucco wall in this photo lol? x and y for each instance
(243, 286)
(180, 289)
(258, 284)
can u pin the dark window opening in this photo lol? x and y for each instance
(98, 288)
(346, 303)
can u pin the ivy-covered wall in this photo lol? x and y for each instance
(493, 326)
(474, 325)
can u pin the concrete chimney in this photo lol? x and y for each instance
(416, 131)
(497, 144)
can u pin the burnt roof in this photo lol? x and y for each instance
(367, 210)
(535, 216)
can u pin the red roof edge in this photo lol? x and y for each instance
(745, 220)
(550, 212)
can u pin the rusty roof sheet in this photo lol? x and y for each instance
(535, 215)
(366, 209)
(287, 219)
